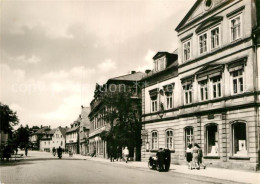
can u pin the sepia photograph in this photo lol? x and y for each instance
(129, 91)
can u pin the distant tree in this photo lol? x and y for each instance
(21, 137)
(8, 118)
(124, 117)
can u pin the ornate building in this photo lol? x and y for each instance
(211, 95)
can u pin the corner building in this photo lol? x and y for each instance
(215, 93)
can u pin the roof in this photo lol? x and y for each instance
(52, 131)
(72, 129)
(42, 130)
(84, 117)
(130, 77)
(63, 131)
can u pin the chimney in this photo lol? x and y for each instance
(147, 71)
(132, 72)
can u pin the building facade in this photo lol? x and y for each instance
(97, 118)
(84, 131)
(72, 137)
(59, 138)
(46, 140)
(215, 93)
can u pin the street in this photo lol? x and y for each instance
(41, 167)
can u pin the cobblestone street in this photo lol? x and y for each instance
(41, 167)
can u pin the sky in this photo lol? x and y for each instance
(52, 53)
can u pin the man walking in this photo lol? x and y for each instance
(160, 155)
(126, 154)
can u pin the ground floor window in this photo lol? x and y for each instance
(239, 139)
(188, 136)
(169, 139)
(212, 140)
(154, 140)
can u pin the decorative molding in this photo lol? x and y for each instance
(186, 37)
(236, 11)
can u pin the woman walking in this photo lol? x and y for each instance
(189, 156)
(195, 156)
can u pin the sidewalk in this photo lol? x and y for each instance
(218, 173)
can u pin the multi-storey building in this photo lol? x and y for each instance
(46, 140)
(37, 135)
(72, 137)
(84, 131)
(215, 90)
(58, 138)
(99, 109)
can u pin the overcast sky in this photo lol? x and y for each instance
(54, 52)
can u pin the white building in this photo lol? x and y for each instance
(58, 138)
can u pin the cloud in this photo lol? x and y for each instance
(107, 65)
(147, 63)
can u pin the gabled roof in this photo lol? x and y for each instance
(63, 131)
(187, 16)
(130, 77)
(42, 130)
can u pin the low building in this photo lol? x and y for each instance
(37, 135)
(59, 138)
(72, 137)
(84, 131)
(46, 140)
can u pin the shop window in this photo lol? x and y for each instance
(239, 139)
(169, 139)
(212, 140)
(188, 136)
(154, 140)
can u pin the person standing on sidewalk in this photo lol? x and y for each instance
(200, 158)
(195, 156)
(188, 156)
(126, 154)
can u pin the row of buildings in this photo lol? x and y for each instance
(73, 138)
(206, 91)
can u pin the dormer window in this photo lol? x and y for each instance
(160, 64)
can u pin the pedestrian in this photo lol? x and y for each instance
(53, 151)
(189, 156)
(167, 159)
(26, 150)
(161, 157)
(126, 154)
(111, 153)
(118, 153)
(195, 156)
(200, 160)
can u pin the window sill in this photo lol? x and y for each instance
(153, 151)
(239, 158)
(211, 157)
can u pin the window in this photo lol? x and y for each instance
(215, 38)
(236, 28)
(169, 100)
(188, 136)
(212, 140)
(154, 105)
(154, 141)
(239, 140)
(203, 90)
(216, 87)
(187, 93)
(203, 43)
(237, 78)
(186, 50)
(169, 139)
(61, 143)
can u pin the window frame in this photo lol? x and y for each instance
(169, 100)
(232, 138)
(154, 105)
(219, 35)
(153, 145)
(237, 79)
(241, 26)
(188, 92)
(191, 135)
(218, 84)
(199, 48)
(207, 139)
(183, 49)
(205, 88)
(169, 137)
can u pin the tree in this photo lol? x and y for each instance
(21, 137)
(124, 117)
(8, 118)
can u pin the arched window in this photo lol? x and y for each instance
(169, 139)
(239, 139)
(212, 140)
(188, 136)
(154, 140)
